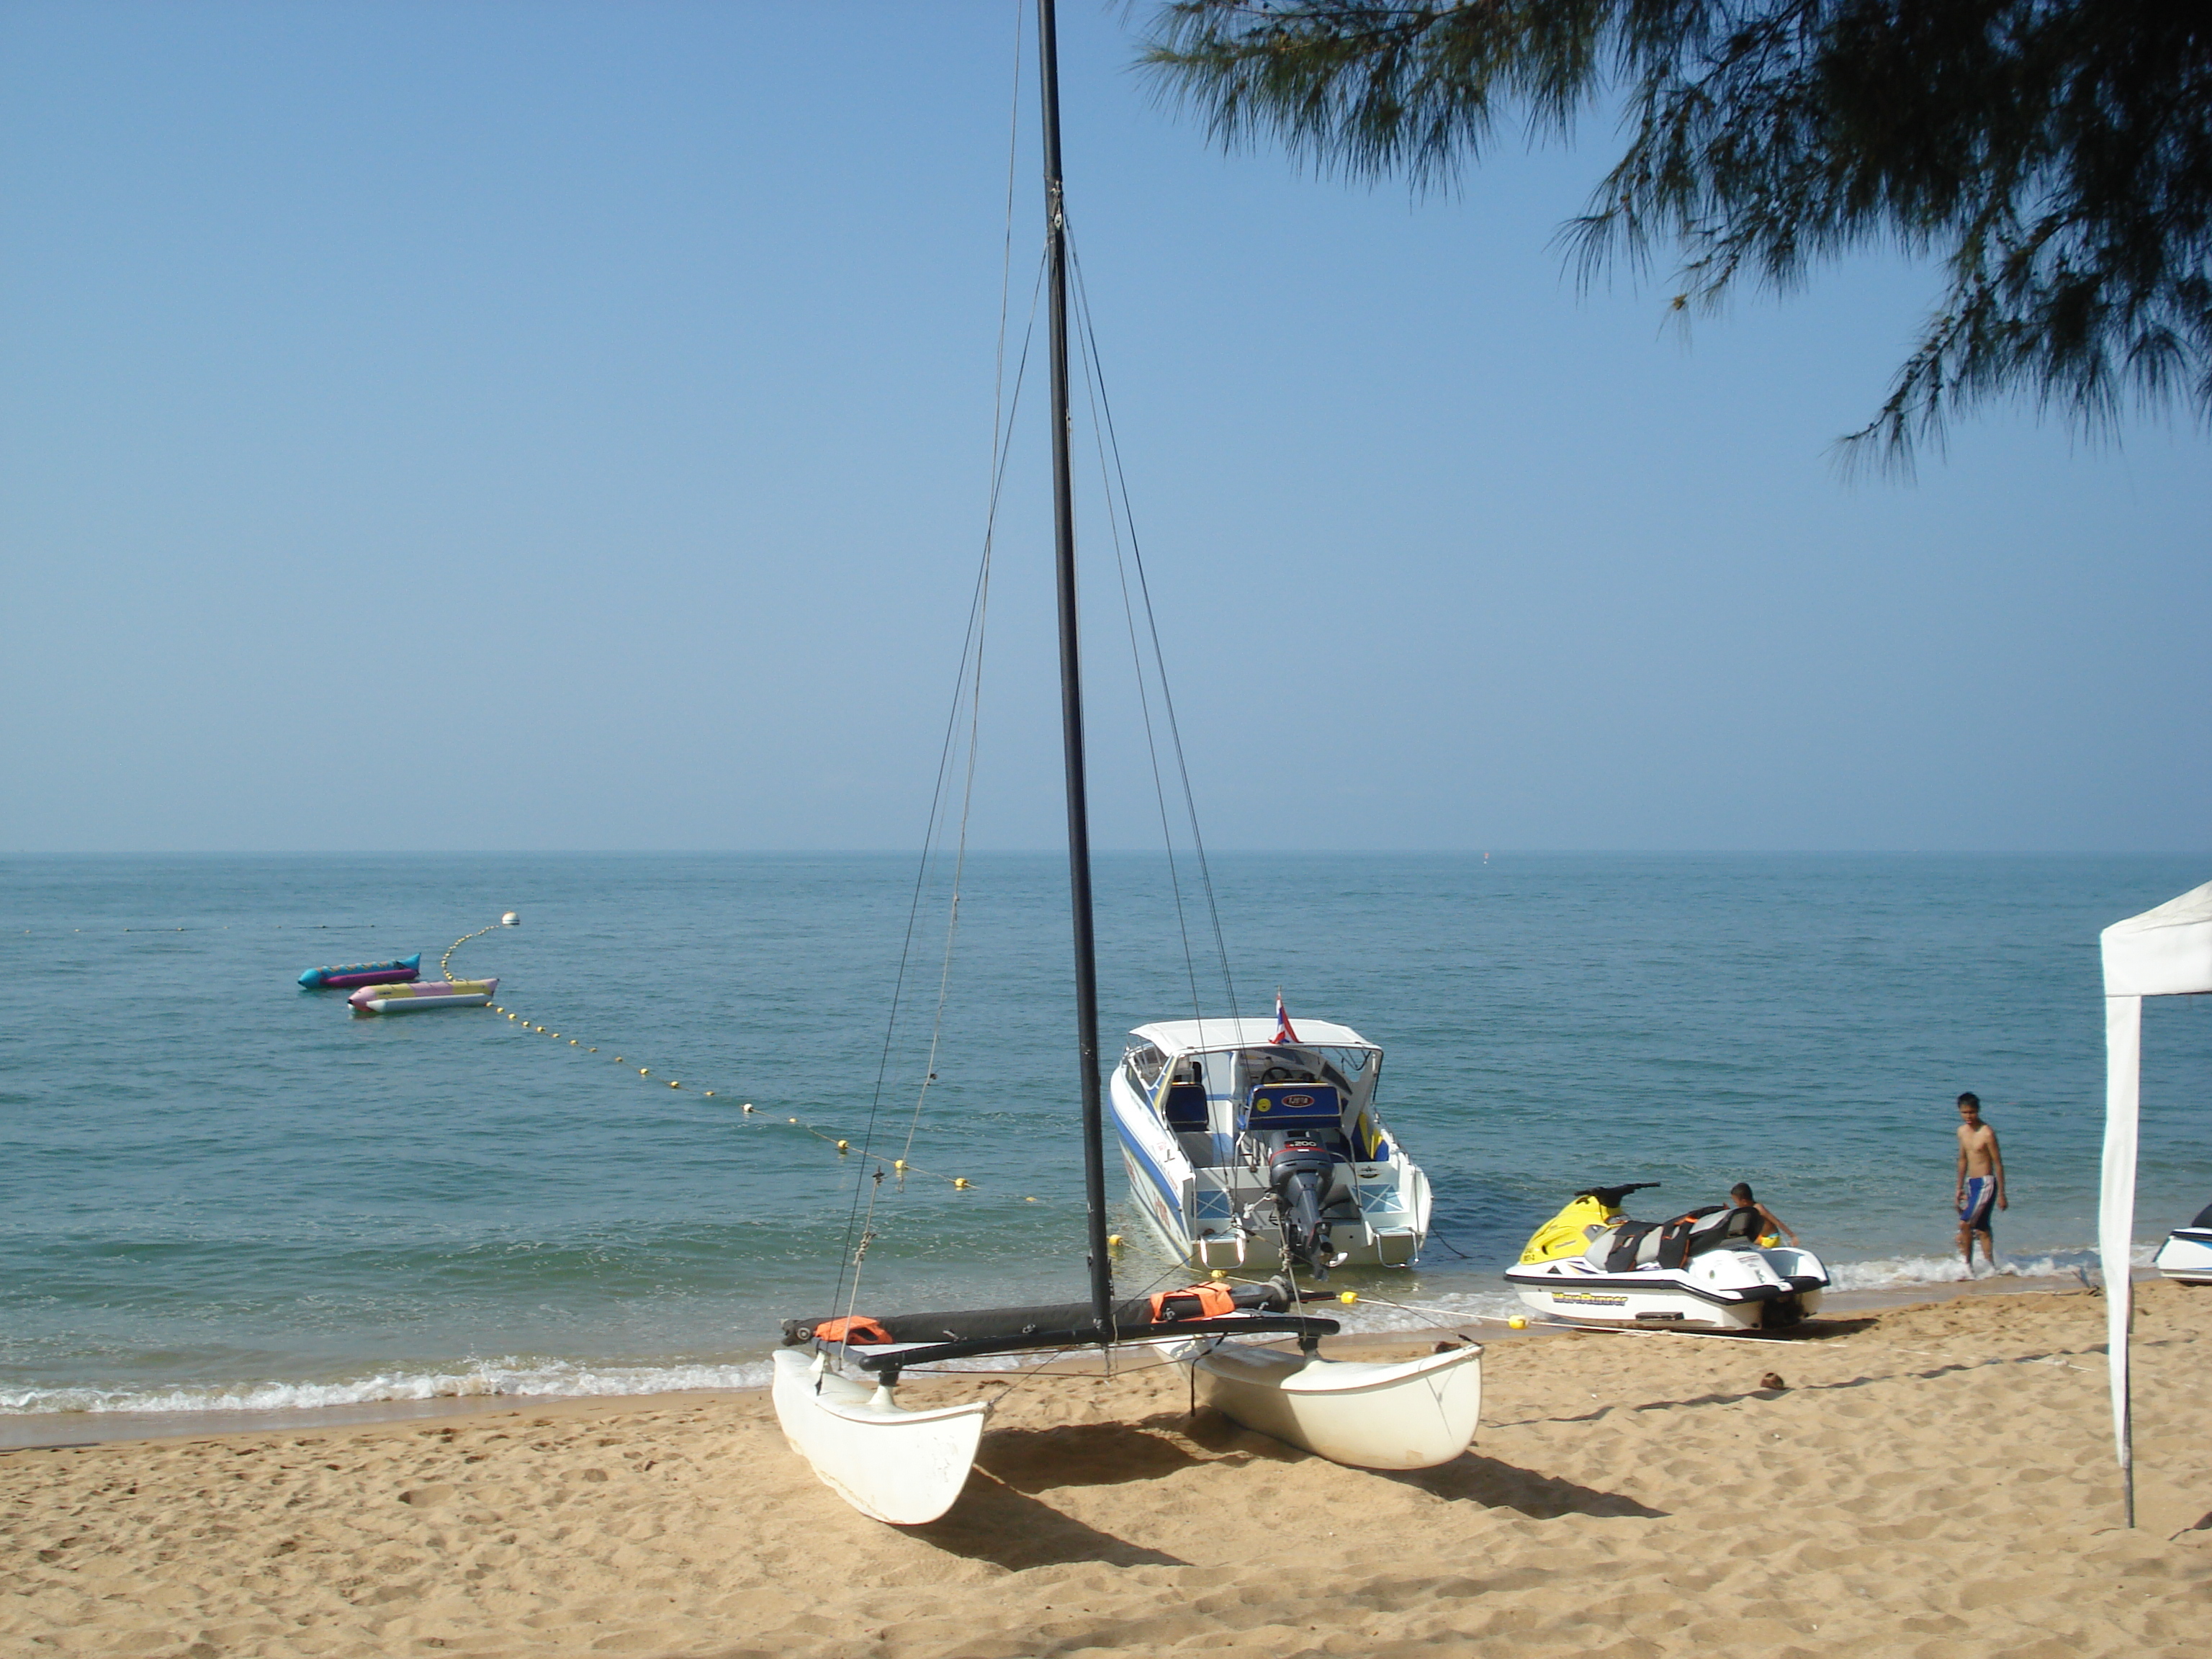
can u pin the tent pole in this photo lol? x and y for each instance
(2116, 1218)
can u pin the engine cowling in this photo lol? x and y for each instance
(1299, 1174)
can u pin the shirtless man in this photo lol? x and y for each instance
(1981, 1180)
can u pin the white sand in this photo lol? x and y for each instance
(1934, 1481)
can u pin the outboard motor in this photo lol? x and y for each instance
(1299, 1174)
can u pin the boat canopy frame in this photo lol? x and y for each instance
(1177, 1038)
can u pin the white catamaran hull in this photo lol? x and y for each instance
(1411, 1414)
(891, 1464)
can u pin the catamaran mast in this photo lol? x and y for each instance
(1070, 687)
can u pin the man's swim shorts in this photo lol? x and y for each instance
(1974, 1208)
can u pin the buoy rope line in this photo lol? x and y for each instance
(747, 1112)
(446, 962)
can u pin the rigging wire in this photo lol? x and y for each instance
(968, 689)
(857, 1223)
(1091, 379)
(1121, 493)
(959, 750)
(1001, 444)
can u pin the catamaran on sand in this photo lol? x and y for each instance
(834, 1388)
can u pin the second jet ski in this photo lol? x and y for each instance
(1709, 1270)
(2186, 1256)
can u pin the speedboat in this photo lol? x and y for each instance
(1245, 1146)
(2187, 1253)
(1710, 1269)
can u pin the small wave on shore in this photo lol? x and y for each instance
(1372, 1313)
(473, 1379)
(1902, 1272)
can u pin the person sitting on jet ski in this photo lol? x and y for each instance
(1729, 1220)
(1740, 1198)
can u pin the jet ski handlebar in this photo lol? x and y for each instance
(1611, 1196)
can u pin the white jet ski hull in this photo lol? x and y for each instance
(1719, 1291)
(891, 1464)
(2186, 1256)
(1410, 1414)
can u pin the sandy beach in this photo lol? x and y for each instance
(1933, 1480)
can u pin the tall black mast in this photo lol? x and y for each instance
(1070, 687)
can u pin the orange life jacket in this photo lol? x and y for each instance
(859, 1328)
(1212, 1300)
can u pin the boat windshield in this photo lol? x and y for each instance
(1350, 1069)
(1347, 1068)
(1145, 1062)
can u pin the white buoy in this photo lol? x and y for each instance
(510, 919)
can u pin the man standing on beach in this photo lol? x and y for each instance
(1981, 1181)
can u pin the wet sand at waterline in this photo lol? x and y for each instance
(1932, 1480)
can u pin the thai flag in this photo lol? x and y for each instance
(1283, 1031)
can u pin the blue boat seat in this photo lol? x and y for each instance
(1307, 1106)
(1183, 1108)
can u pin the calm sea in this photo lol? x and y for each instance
(223, 1192)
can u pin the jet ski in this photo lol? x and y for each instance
(1708, 1270)
(2187, 1253)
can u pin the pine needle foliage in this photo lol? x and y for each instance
(2055, 156)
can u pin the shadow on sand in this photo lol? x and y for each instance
(1083, 1454)
(994, 1522)
(1472, 1478)
(1824, 1329)
(998, 1518)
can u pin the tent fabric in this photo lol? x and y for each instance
(2163, 952)
(2115, 1217)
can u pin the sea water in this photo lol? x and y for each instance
(224, 1192)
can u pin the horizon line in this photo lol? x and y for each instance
(1112, 852)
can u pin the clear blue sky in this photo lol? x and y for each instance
(567, 425)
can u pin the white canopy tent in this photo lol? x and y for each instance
(2165, 952)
